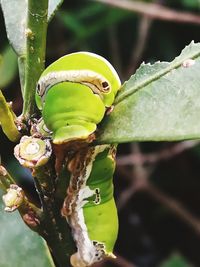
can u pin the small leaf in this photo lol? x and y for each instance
(8, 66)
(7, 120)
(15, 20)
(19, 245)
(15, 13)
(159, 102)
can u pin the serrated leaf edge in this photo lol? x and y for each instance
(172, 65)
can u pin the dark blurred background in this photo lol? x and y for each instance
(156, 184)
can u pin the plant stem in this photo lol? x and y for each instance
(6, 181)
(7, 120)
(35, 48)
(21, 65)
(57, 231)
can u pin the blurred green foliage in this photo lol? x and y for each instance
(90, 21)
(8, 67)
(175, 261)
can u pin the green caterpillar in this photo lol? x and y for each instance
(73, 94)
(90, 208)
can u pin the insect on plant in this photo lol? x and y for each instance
(74, 93)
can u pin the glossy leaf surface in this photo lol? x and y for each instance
(159, 102)
(15, 13)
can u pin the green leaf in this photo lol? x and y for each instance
(160, 102)
(8, 67)
(53, 7)
(190, 3)
(15, 20)
(19, 245)
(175, 261)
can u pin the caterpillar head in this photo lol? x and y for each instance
(73, 94)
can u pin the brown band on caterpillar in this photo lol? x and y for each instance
(78, 193)
(77, 166)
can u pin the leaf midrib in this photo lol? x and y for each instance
(154, 77)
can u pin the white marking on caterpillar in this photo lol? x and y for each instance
(95, 81)
(107, 63)
(97, 196)
(88, 251)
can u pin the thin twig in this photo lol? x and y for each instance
(143, 31)
(141, 183)
(174, 206)
(114, 48)
(165, 154)
(139, 180)
(143, 34)
(26, 208)
(154, 11)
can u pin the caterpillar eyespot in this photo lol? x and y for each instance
(106, 87)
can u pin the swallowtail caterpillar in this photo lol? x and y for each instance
(73, 94)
